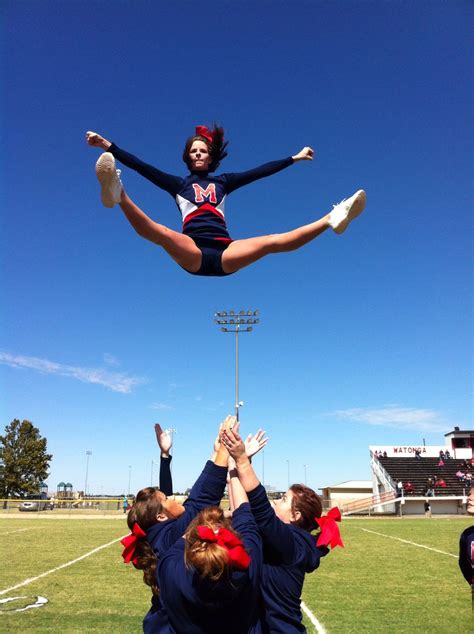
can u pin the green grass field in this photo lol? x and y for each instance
(375, 584)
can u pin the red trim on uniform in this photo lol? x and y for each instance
(228, 240)
(203, 209)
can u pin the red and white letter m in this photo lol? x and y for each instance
(209, 192)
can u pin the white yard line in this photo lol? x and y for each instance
(319, 628)
(18, 530)
(69, 563)
(405, 541)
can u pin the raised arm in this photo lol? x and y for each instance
(207, 491)
(236, 180)
(236, 448)
(168, 182)
(275, 533)
(237, 493)
(165, 442)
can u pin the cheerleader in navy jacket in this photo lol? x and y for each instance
(290, 550)
(210, 580)
(205, 246)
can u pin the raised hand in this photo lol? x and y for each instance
(233, 443)
(229, 422)
(306, 154)
(253, 444)
(164, 439)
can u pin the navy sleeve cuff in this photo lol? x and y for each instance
(257, 495)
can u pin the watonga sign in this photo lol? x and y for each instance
(409, 450)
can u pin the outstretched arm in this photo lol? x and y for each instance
(207, 491)
(168, 182)
(165, 442)
(237, 493)
(236, 448)
(234, 181)
(274, 532)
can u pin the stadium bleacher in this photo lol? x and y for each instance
(418, 471)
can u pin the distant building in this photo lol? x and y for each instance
(346, 492)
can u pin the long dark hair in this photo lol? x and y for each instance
(144, 511)
(217, 149)
(308, 503)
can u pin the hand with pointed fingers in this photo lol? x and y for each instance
(164, 439)
(253, 444)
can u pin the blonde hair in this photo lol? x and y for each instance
(209, 558)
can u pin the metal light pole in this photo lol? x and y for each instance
(239, 321)
(88, 454)
(129, 477)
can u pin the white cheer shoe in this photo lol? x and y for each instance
(109, 179)
(346, 211)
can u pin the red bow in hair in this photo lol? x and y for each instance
(329, 535)
(202, 130)
(130, 542)
(238, 556)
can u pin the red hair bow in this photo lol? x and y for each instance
(202, 130)
(329, 535)
(130, 542)
(238, 556)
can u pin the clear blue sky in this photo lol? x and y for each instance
(364, 338)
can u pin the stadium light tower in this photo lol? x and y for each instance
(236, 322)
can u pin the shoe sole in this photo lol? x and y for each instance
(357, 207)
(106, 172)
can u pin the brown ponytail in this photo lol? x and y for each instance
(209, 558)
(144, 511)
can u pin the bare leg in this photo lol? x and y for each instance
(181, 248)
(241, 253)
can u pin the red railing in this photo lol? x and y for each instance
(367, 503)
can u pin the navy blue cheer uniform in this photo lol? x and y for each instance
(201, 200)
(201, 606)
(289, 553)
(466, 554)
(166, 482)
(207, 491)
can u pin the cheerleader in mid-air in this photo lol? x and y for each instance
(205, 247)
